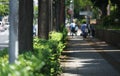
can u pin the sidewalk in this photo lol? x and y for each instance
(90, 58)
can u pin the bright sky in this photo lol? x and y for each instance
(36, 2)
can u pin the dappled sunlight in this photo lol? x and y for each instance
(78, 65)
(82, 44)
(87, 58)
(69, 74)
(84, 63)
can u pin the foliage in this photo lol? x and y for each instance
(57, 36)
(42, 61)
(102, 4)
(99, 3)
(82, 20)
(111, 20)
(110, 27)
(3, 52)
(4, 7)
(81, 5)
(67, 2)
(64, 32)
(35, 12)
(116, 2)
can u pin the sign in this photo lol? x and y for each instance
(88, 13)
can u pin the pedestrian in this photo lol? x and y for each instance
(76, 29)
(84, 29)
(34, 30)
(72, 28)
(92, 30)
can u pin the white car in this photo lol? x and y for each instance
(6, 25)
(2, 29)
(1, 23)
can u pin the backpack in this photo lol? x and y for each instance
(76, 28)
(86, 30)
(73, 29)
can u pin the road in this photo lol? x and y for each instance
(4, 39)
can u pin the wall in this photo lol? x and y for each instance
(110, 36)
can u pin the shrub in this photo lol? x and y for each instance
(42, 61)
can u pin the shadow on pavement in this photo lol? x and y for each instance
(88, 58)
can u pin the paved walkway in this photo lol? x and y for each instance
(90, 57)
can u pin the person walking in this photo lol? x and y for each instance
(72, 28)
(84, 30)
(92, 30)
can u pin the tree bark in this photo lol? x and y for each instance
(102, 5)
(104, 10)
(43, 19)
(58, 15)
(54, 16)
(25, 25)
(50, 14)
(62, 12)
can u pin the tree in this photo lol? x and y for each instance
(25, 25)
(4, 7)
(81, 5)
(35, 14)
(62, 12)
(116, 2)
(102, 5)
(54, 27)
(50, 15)
(58, 14)
(43, 19)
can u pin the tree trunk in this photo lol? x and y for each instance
(58, 15)
(43, 19)
(25, 25)
(104, 11)
(62, 12)
(50, 14)
(13, 36)
(54, 16)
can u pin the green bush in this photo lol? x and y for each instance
(42, 61)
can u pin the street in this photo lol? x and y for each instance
(4, 39)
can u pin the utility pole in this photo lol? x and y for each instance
(13, 36)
